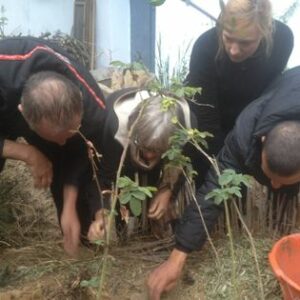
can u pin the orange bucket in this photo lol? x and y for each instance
(285, 262)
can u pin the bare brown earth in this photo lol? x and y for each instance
(34, 266)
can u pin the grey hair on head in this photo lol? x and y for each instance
(258, 12)
(153, 126)
(51, 96)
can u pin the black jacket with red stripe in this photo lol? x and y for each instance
(23, 56)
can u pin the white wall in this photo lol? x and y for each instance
(33, 17)
(179, 24)
(113, 31)
(36, 16)
(278, 8)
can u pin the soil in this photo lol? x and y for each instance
(34, 266)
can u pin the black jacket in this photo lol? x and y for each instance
(229, 87)
(242, 153)
(21, 57)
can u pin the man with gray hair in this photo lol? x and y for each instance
(45, 97)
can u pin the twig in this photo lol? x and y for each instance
(260, 284)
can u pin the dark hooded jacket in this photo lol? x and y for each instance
(21, 57)
(242, 153)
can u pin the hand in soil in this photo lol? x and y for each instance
(71, 231)
(164, 278)
(98, 228)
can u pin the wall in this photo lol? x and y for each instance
(179, 25)
(113, 31)
(32, 17)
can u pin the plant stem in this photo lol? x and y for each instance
(233, 273)
(113, 206)
(260, 284)
(203, 222)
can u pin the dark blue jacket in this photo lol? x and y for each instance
(242, 153)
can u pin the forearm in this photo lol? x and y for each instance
(17, 151)
(69, 221)
(178, 257)
(70, 194)
(169, 178)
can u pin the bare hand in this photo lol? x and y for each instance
(164, 278)
(71, 231)
(98, 228)
(159, 204)
(41, 168)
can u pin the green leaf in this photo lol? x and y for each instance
(210, 195)
(122, 182)
(135, 206)
(219, 195)
(191, 91)
(125, 198)
(138, 195)
(179, 93)
(148, 190)
(235, 190)
(174, 120)
(99, 242)
(219, 199)
(138, 66)
(119, 64)
(246, 180)
(225, 179)
(157, 2)
(93, 282)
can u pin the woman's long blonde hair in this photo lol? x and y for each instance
(257, 12)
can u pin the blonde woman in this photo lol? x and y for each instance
(234, 62)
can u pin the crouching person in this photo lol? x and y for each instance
(265, 144)
(137, 119)
(46, 97)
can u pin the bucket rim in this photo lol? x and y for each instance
(275, 266)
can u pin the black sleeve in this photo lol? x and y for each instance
(110, 162)
(202, 73)
(112, 150)
(282, 47)
(76, 164)
(190, 234)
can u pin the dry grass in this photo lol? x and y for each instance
(34, 266)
